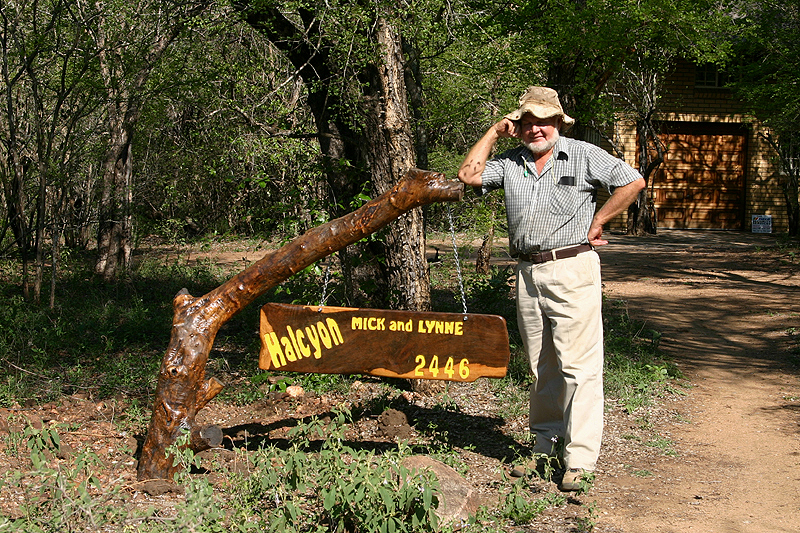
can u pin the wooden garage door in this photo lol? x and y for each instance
(702, 181)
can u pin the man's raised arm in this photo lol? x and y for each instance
(473, 165)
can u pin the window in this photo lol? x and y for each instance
(708, 76)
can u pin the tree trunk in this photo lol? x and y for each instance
(14, 185)
(54, 269)
(787, 146)
(413, 83)
(182, 388)
(366, 157)
(485, 251)
(791, 194)
(114, 230)
(125, 88)
(641, 213)
(788, 152)
(39, 240)
(392, 154)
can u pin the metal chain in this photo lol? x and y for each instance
(327, 278)
(458, 263)
(325, 284)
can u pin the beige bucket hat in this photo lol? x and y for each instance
(541, 102)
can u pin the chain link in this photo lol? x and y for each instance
(458, 263)
(324, 297)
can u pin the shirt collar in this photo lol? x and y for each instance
(559, 154)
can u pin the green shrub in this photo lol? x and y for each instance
(635, 370)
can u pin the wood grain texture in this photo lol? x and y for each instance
(401, 344)
(182, 388)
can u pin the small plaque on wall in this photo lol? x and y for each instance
(762, 223)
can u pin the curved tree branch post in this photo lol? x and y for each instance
(182, 389)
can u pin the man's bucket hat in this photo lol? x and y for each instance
(541, 102)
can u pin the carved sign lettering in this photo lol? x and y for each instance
(401, 344)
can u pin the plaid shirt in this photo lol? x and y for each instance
(554, 209)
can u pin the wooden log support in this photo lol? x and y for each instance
(182, 388)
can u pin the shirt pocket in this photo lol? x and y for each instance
(566, 196)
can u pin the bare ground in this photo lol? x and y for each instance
(728, 307)
(721, 456)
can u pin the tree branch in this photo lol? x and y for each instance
(182, 388)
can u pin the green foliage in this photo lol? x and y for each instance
(336, 488)
(473, 68)
(662, 443)
(520, 508)
(440, 448)
(492, 294)
(585, 483)
(587, 522)
(67, 497)
(109, 339)
(296, 489)
(105, 338)
(765, 76)
(307, 286)
(251, 175)
(635, 370)
(587, 43)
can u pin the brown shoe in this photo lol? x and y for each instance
(522, 470)
(542, 466)
(574, 479)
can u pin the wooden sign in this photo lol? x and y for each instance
(400, 344)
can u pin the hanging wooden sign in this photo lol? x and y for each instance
(400, 344)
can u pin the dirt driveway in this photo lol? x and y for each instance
(729, 311)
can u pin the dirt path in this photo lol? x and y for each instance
(728, 312)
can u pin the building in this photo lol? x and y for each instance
(718, 171)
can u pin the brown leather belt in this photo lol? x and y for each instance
(552, 255)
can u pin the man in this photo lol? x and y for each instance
(550, 185)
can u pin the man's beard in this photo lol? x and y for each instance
(543, 147)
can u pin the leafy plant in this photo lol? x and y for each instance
(586, 481)
(338, 488)
(520, 508)
(441, 449)
(64, 496)
(635, 370)
(586, 523)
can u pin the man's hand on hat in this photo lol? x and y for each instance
(507, 128)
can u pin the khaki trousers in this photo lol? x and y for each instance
(559, 311)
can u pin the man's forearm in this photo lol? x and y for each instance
(473, 165)
(619, 201)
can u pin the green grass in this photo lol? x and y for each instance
(316, 484)
(662, 443)
(101, 338)
(636, 373)
(107, 339)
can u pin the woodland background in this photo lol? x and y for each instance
(138, 137)
(123, 120)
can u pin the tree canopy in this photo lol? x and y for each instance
(765, 74)
(269, 117)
